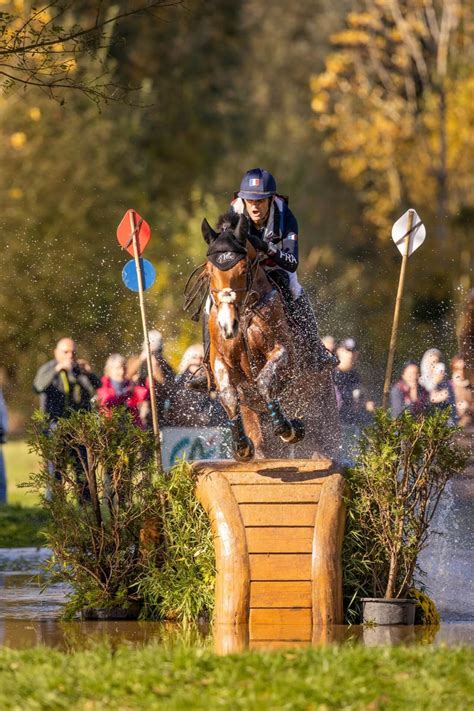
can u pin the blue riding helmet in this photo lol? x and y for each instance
(257, 184)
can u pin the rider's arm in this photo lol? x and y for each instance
(287, 256)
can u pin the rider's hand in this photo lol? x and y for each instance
(258, 243)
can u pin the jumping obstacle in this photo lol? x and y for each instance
(278, 528)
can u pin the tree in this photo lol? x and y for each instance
(395, 104)
(42, 46)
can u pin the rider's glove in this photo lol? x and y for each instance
(259, 244)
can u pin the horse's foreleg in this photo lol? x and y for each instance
(269, 382)
(242, 446)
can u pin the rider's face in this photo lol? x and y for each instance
(257, 209)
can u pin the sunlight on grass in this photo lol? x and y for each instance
(20, 463)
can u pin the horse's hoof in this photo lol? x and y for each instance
(243, 454)
(296, 434)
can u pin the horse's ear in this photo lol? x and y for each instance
(241, 232)
(207, 232)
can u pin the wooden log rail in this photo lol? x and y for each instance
(278, 527)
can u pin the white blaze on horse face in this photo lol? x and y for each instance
(226, 314)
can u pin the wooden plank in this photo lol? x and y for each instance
(280, 625)
(327, 560)
(266, 467)
(268, 645)
(232, 589)
(288, 594)
(276, 493)
(279, 539)
(278, 514)
(284, 566)
(279, 475)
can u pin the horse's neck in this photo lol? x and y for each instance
(261, 282)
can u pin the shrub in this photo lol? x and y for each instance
(182, 587)
(133, 534)
(401, 470)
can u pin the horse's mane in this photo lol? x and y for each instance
(227, 221)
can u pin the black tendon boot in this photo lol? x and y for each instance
(303, 316)
(202, 378)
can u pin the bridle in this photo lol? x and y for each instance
(251, 267)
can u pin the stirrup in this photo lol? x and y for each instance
(200, 381)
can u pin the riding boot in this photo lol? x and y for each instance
(303, 316)
(202, 379)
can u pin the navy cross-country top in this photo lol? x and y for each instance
(280, 231)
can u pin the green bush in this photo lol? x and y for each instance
(134, 535)
(182, 587)
(95, 539)
(402, 468)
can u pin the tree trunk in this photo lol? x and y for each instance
(392, 575)
(442, 206)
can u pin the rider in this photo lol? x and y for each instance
(273, 231)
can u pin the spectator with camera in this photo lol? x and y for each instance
(66, 385)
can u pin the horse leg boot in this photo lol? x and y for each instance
(305, 320)
(242, 446)
(289, 431)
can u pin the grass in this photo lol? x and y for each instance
(19, 463)
(154, 677)
(21, 521)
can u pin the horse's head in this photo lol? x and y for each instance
(229, 269)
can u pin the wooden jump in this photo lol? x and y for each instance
(278, 527)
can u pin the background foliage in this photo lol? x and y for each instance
(221, 87)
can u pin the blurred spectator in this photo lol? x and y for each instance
(163, 376)
(65, 386)
(441, 393)
(407, 393)
(133, 366)
(117, 390)
(193, 408)
(330, 343)
(462, 390)
(3, 435)
(430, 358)
(355, 406)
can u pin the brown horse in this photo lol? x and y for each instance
(261, 367)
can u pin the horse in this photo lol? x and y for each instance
(262, 369)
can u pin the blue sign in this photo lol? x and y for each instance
(130, 277)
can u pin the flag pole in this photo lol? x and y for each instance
(151, 381)
(396, 315)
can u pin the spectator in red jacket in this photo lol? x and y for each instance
(117, 390)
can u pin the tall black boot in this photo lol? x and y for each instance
(303, 315)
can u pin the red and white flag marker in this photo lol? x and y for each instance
(408, 233)
(133, 235)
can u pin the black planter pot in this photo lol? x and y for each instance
(130, 612)
(388, 611)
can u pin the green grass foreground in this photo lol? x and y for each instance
(154, 678)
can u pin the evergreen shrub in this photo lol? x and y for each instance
(402, 468)
(134, 536)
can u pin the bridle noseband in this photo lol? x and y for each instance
(251, 266)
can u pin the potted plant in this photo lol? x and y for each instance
(401, 471)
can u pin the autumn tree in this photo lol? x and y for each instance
(41, 45)
(395, 104)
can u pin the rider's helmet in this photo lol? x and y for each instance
(257, 184)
